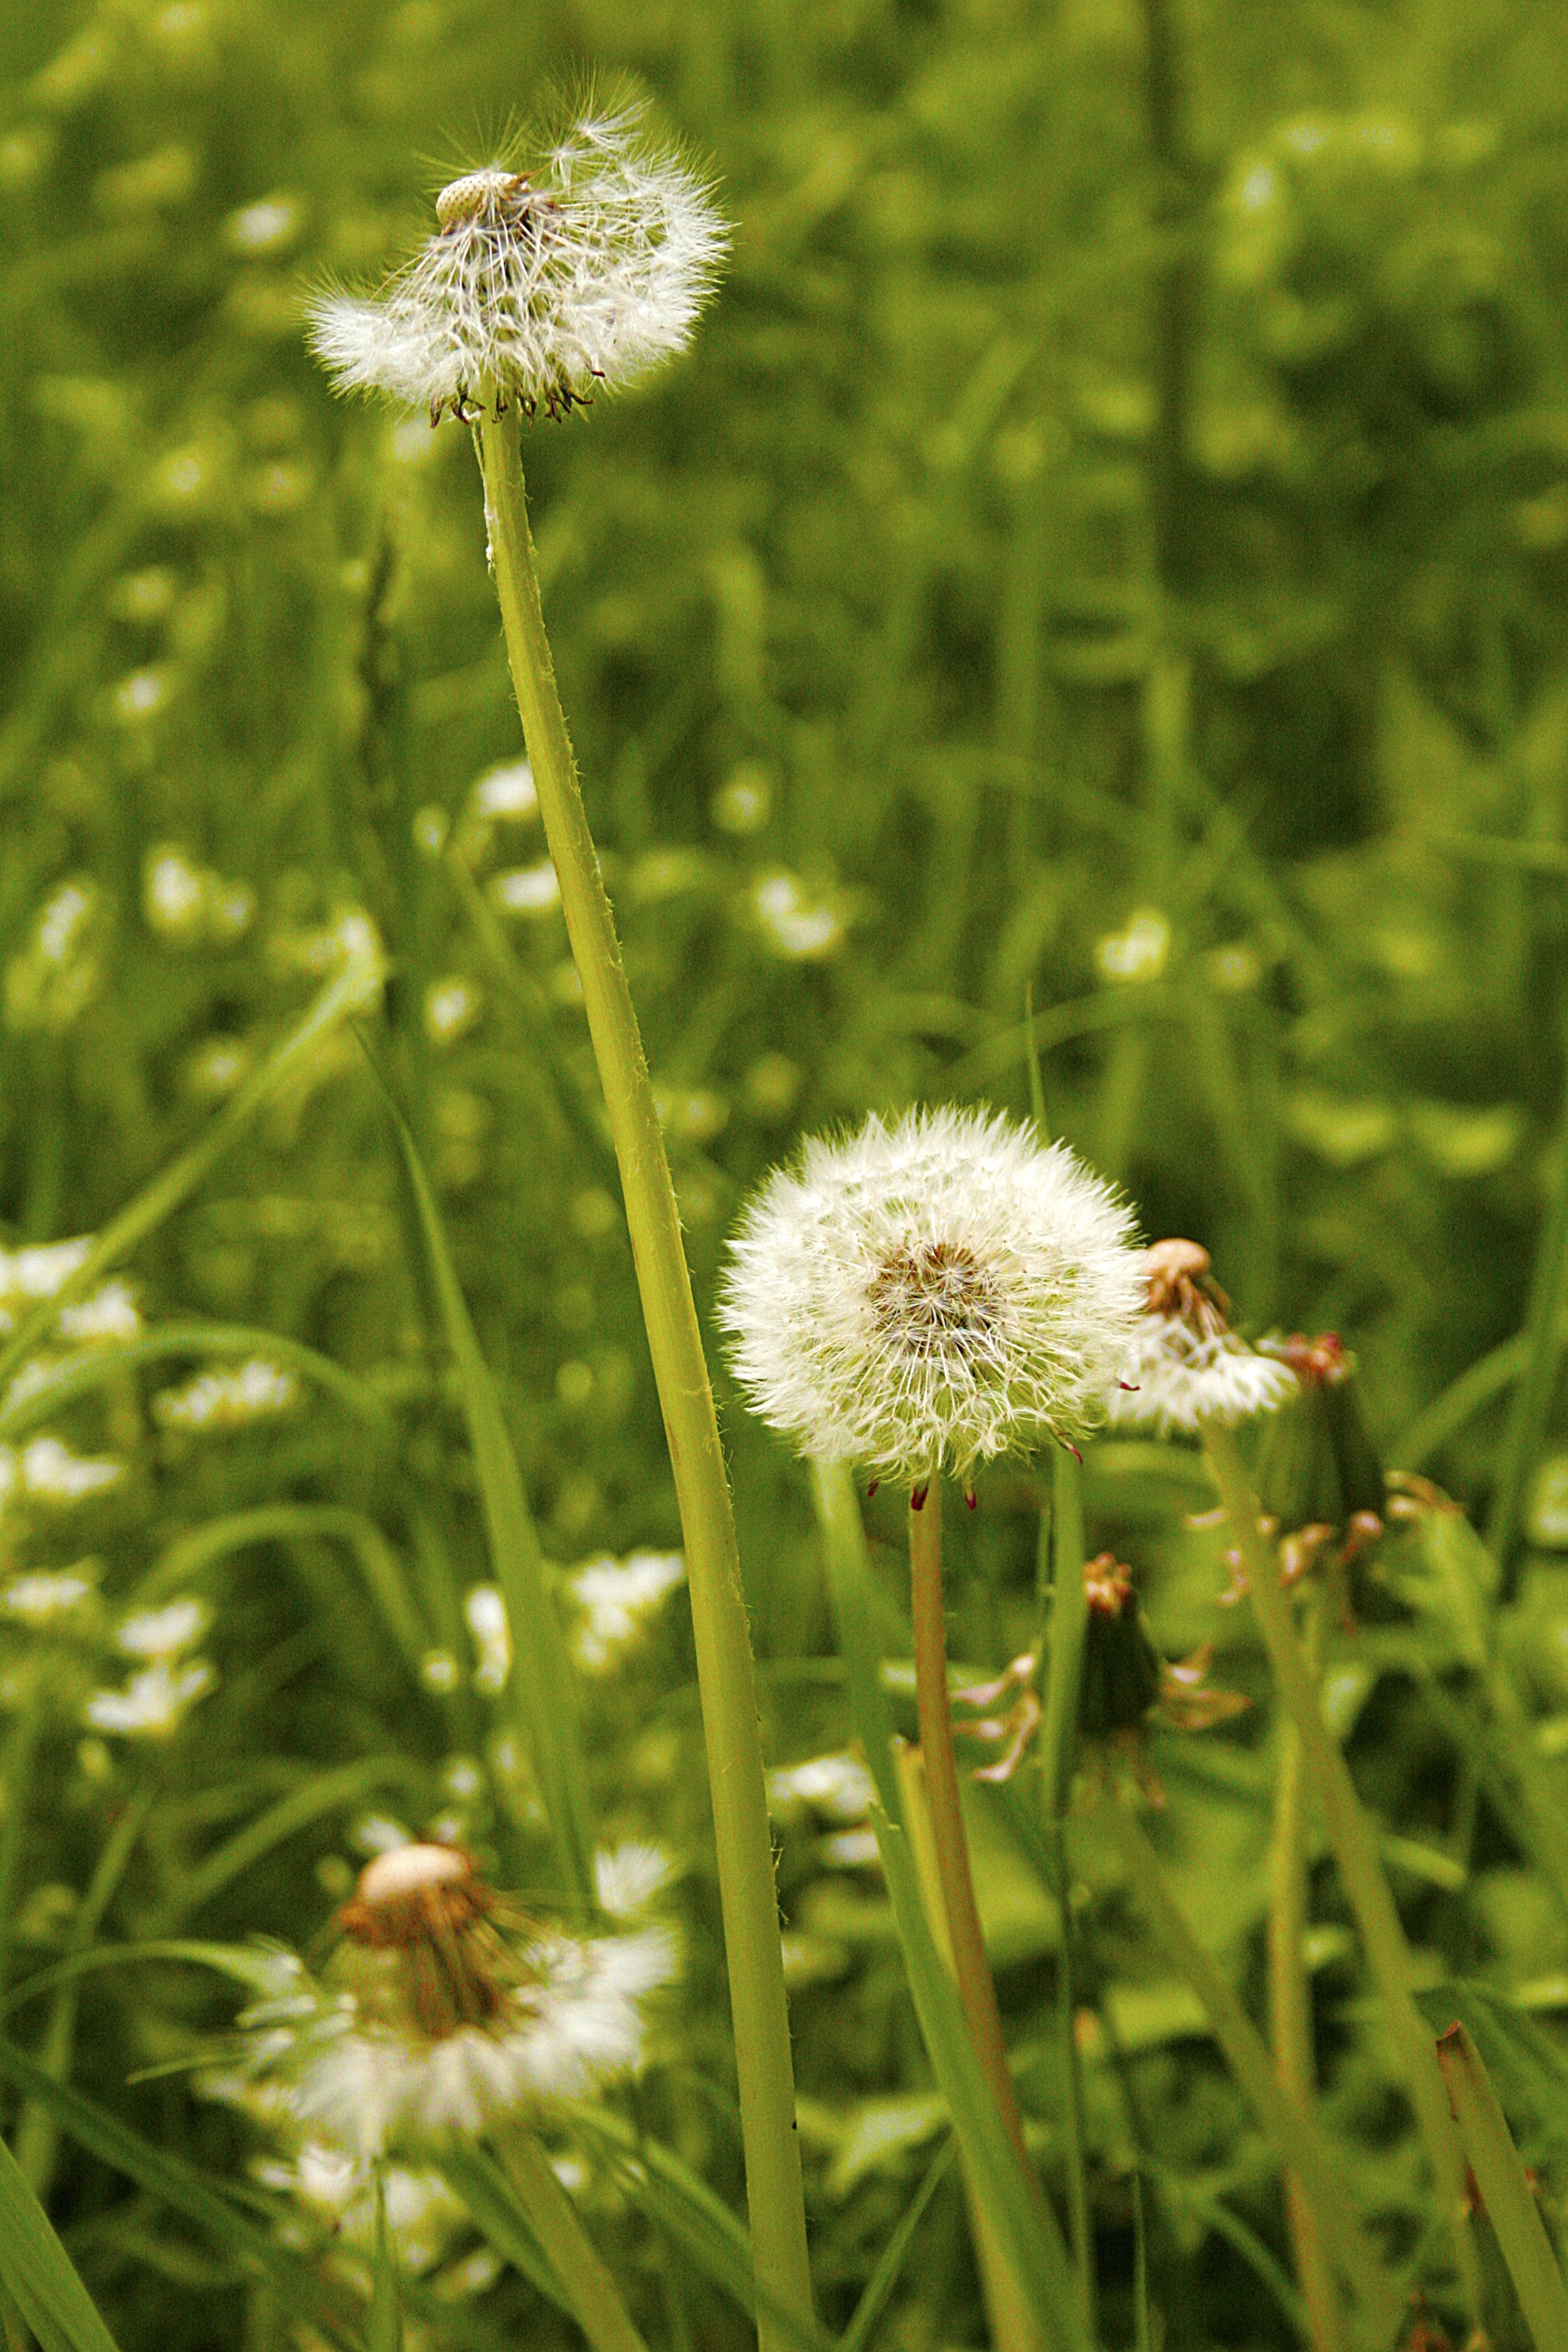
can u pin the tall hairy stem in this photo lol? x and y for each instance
(973, 1969)
(1356, 1851)
(725, 1673)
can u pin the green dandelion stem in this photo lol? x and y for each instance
(973, 1969)
(726, 1675)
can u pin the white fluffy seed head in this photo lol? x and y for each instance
(357, 2070)
(538, 288)
(921, 1296)
(1177, 1378)
(1186, 1365)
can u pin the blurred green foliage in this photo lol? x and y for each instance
(1108, 542)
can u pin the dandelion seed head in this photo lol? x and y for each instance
(924, 1295)
(1186, 1365)
(444, 2009)
(538, 288)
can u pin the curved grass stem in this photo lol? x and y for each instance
(1356, 1851)
(724, 1666)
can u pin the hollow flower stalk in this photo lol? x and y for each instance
(536, 289)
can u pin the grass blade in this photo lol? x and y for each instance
(59, 1385)
(324, 1793)
(890, 2262)
(40, 2275)
(179, 2185)
(383, 2327)
(1505, 2191)
(353, 991)
(541, 1678)
(1533, 1397)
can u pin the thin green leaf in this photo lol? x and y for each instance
(1533, 1397)
(890, 2262)
(383, 2325)
(478, 2181)
(353, 991)
(188, 1559)
(653, 2177)
(59, 1385)
(1025, 2226)
(1505, 2189)
(261, 1971)
(178, 2184)
(541, 1678)
(39, 2273)
(324, 1793)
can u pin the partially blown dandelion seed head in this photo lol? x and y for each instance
(538, 288)
(923, 1296)
(1186, 1365)
(444, 2008)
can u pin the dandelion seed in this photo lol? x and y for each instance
(920, 1297)
(617, 1598)
(445, 2008)
(1186, 1365)
(538, 288)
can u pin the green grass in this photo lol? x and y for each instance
(1094, 594)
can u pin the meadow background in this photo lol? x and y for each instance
(1107, 545)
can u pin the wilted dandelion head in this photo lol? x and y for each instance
(445, 2007)
(538, 286)
(1186, 1365)
(920, 1296)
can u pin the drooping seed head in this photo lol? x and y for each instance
(1186, 1365)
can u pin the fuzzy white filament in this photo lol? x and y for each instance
(366, 2083)
(538, 288)
(1176, 1378)
(923, 1296)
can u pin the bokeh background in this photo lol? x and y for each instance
(1107, 549)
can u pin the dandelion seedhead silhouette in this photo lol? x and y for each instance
(920, 1297)
(540, 286)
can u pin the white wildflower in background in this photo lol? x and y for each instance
(537, 287)
(484, 1610)
(923, 1296)
(153, 1703)
(444, 2008)
(616, 1597)
(838, 1786)
(164, 1632)
(47, 1472)
(254, 1391)
(506, 793)
(1186, 1365)
(423, 2216)
(110, 1314)
(48, 1594)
